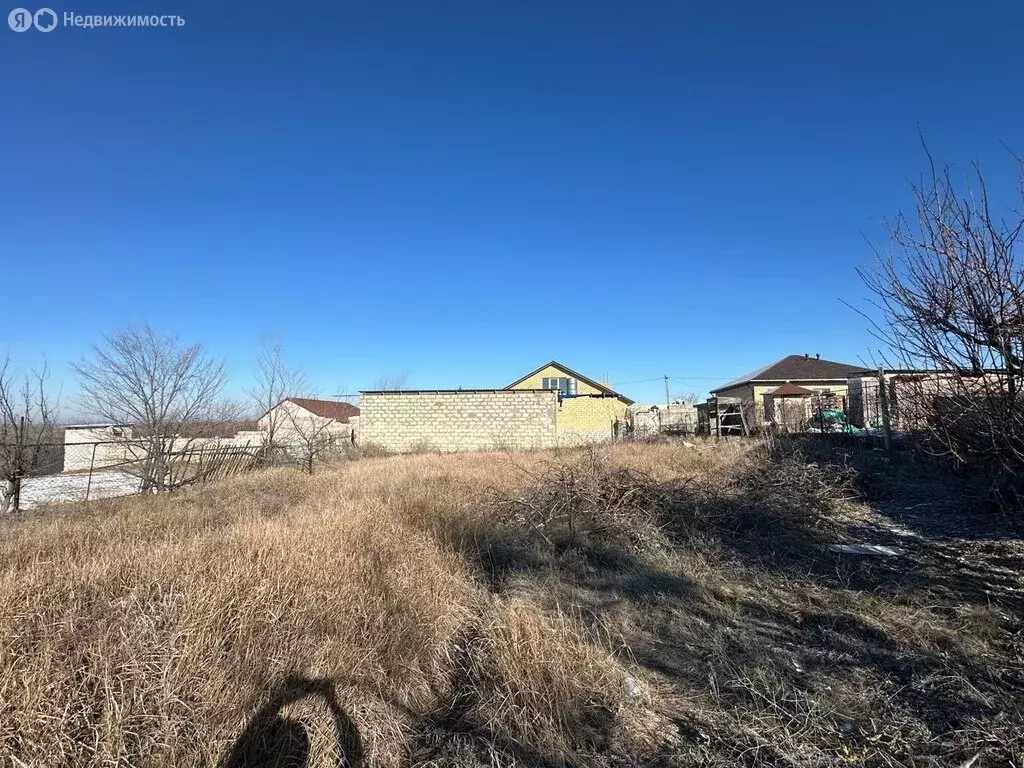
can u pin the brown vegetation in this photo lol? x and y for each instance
(644, 605)
(949, 291)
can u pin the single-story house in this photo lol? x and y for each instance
(795, 378)
(588, 411)
(295, 417)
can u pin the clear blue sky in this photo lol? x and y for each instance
(461, 191)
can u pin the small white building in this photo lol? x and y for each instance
(295, 418)
(94, 445)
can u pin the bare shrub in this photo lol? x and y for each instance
(390, 382)
(368, 451)
(275, 380)
(161, 388)
(587, 501)
(312, 438)
(950, 288)
(27, 428)
(584, 500)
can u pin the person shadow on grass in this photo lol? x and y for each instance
(271, 740)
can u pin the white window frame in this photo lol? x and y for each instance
(565, 385)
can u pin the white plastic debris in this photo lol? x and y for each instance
(877, 550)
(632, 688)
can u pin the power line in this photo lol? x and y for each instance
(703, 378)
(640, 381)
(676, 378)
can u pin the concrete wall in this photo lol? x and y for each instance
(913, 396)
(99, 446)
(97, 434)
(458, 421)
(652, 420)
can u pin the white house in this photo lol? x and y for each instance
(296, 418)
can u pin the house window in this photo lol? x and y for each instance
(566, 387)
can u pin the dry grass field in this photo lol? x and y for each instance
(638, 605)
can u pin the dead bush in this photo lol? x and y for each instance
(767, 495)
(585, 501)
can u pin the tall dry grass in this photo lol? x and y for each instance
(648, 604)
(147, 631)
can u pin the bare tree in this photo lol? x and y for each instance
(950, 288)
(689, 397)
(159, 386)
(275, 380)
(310, 435)
(391, 382)
(27, 427)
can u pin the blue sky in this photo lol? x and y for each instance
(460, 191)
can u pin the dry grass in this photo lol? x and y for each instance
(643, 605)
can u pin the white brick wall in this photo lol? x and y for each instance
(458, 421)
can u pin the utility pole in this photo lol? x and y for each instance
(668, 402)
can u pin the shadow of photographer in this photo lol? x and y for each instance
(272, 740)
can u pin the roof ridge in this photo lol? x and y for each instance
(338, 410)
(575, 374)
(796, 367)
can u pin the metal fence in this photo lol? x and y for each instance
(675, 420)
(79, 472)
(912, 402)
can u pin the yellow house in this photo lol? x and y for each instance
(756, 389)
(588, 411)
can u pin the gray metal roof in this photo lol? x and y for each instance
(797, 368)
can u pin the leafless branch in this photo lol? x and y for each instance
(275, 380)
(310, 434)
(950, 289)
(390, 382)
(27, 426)
(157, 385)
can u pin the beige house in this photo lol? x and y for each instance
(808, 378)
(588, 411)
